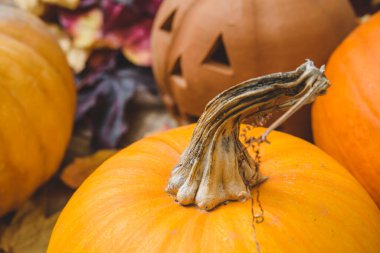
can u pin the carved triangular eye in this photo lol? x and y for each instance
(218, 53)
(168, 23)
(177, 68)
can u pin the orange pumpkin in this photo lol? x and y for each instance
(346, 122)
(37, 103)
(201, 48)
(310, 202)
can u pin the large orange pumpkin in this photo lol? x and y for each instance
(310, 202)
(201, 48)
(37, 103)
(346, 122)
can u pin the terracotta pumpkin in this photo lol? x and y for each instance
(346, 123)
(201, 48)
(37, 101)
(310, 203)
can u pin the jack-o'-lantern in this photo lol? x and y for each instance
(201, 48)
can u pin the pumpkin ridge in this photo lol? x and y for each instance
(30, 121)
(43, 89)
(18, 193)
(359, 92)
(46, 92)
(12, 177)
(294, 197)
(36, 106)
(68, 84)
(109, 216)
(372, 57)
(25, 111)
(35, 25)
(152, 222)
(333, 138)
(161, 140)
(160, 222)
(148, 222)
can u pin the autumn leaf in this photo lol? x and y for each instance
(85, 29)
(75, 173)
(107, 44)
(136, 45)
(127, 25)
(104, 96)
(34, 6)
(76, 56)
(29, 231)
(80, 144)
(2, 229)
(70, 4)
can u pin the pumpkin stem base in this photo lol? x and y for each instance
(216, 166)
(225, 172)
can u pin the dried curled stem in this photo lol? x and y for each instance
(216, 167)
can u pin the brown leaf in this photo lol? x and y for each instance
(80, 143)
(29, 231)
(75, 173)
(76, 57)
(70, 4)
(2, 230)
(34, 6)
(55, 194)
(147, 115)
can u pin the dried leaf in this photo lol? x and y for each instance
(136, 45)
(75, 173)
(104, 102)
(29, 231)
(70, 4)
(147, 115)
(80, 143)
(98, 37)
(84, 27)
(2, 229)
(34, 6)
(127, 25)
(76, 57)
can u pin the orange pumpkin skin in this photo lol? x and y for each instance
(346, 122)
(311, 204)
(37, 103)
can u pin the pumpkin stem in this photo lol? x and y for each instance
(216, 167)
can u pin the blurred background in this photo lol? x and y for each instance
(108, 46)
